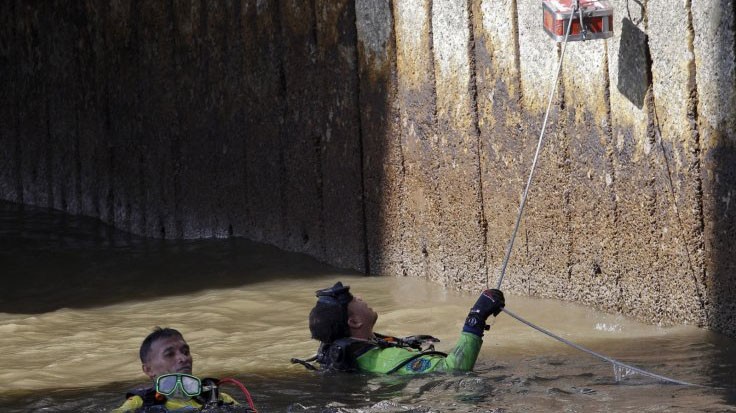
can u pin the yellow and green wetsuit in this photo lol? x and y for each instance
(375, 356)
(412, 361)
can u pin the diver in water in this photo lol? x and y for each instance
(166, 359)
(344, 326)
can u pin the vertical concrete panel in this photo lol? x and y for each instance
(187, 94)
(675, 161)
(206, 140)
(198, 193)
(9, 66)
(505, 150)
(218, 145)
(463, 243)
(380, 128)
(592, 204)
(62, 100)
(104, 160)
(342, 206)
(715, 62)
(632, 183)
(233, 172)
(543, 244)
(303, 145)
(263, 100)
(414, 65)
(92, 138)
(124, 114)
(33, 131)
(247, 218)
(188, 194)
(537, 56)
(157, 114)
(224, 148)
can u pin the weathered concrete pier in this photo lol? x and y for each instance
(394, 137)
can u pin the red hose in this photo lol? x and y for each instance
(242, 388)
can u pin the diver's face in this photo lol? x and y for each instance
(360, 311)
(168, 355)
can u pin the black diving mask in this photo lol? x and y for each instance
(338, 294)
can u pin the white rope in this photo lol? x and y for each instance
(534, 163)
(616, 364)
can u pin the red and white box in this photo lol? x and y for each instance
(597, 19)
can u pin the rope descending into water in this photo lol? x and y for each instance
(534, 162)
(616, 364)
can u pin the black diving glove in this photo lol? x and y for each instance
(490, 302)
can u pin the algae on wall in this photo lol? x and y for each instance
(394, 137)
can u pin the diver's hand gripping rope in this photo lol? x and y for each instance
(615, 363)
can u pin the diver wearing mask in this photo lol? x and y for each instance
(166, 359)
(344, 326)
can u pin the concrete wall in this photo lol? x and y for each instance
(394, 137)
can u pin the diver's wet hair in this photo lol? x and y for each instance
(328, 322)
(158, 333)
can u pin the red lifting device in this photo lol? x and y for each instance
(592, 19)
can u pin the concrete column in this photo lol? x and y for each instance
(62, 101)
(342, 203)
(416, 96)
(458, 186)
(227, 136)
(629, 64)
(590, 197)
(155, 115)
(504, 141)
(33, 123)
(124, 116)
(303, 146)
(93, 160)
(10, 188)
(675, 211)
(545, 230)
(262, 93)
(381, 132)
(188, 95)
(713, 43)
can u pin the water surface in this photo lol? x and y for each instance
(79, 297)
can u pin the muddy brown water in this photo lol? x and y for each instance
(79, 297)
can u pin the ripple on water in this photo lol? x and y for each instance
(242, 307)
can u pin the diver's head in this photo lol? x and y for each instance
(165, 351)
(338, 314)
